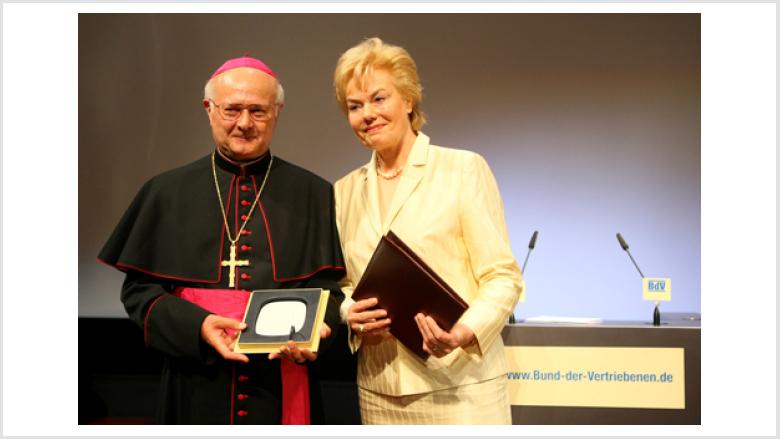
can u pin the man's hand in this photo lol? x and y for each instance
(439, 342)
(221, 333)
(291, 351)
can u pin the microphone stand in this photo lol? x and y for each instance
(656, 311)
(531, 246)
(656, 315)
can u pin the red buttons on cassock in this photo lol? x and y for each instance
(242, 397)
(245, 203)
(244, 217)
(243, 378)
(242, 413)
(246, 232)
(245, 276)
(246, 247)
(245, 188)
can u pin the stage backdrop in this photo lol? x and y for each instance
(590, 122)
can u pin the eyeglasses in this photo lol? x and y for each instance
(258, 113)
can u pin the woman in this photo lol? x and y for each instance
(443, 203)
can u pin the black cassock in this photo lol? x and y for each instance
(172, 236)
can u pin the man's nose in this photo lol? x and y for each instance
(244, 120)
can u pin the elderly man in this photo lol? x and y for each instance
(196, 238)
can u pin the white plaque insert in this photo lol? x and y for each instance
(275, 318)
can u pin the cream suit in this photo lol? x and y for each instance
(447, 208)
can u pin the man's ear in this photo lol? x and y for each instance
(207, 106)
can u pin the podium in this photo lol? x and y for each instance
(615, 372)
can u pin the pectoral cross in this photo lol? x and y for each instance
(233, 263)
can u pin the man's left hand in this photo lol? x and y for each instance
(291, 351)
(439, 342)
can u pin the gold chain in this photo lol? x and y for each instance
(222, 205)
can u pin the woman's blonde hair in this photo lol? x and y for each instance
(373, 54)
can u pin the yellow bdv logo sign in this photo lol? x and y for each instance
(657, 288)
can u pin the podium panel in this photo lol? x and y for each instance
(606, 373)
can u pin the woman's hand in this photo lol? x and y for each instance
(439, 342)
(371, 324)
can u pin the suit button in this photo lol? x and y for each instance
(245, 188)
(246, 248)
(245, 203)
(242, 413)
(246, 232)
(245, 276)
(244, 217)
(242, 397)
(242, 378)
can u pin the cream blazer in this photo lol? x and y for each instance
(447, 208)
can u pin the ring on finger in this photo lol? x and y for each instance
(361, 328)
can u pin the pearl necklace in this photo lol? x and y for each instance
(387, 175)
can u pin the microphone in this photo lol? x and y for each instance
(656, 311)
(531, 246)
(622, 241)
(624, 245)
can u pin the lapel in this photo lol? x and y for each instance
(371, 194)
(409, 180)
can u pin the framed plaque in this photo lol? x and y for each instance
(273, 317)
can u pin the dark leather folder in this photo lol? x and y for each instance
(405, 286)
